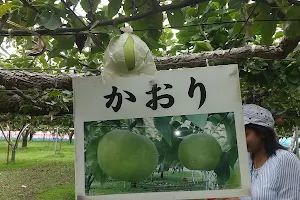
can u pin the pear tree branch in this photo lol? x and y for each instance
(24, 80)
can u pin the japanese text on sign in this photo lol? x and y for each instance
(154, 101)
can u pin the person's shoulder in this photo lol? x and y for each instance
(287, 157)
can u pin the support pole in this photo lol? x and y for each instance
(56, 135)
(297, 141)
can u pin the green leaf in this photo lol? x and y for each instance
(237, 26)
(198, 119)
(292, 29)
(85, 4)
(71, 62)
(98, 173)
(267, 31)
(101, 41)
(213, 19)
(153, 22)
(235, 177)
(162, 124)
(5, 8)
(151, 43)
(65, 41)
(54, 93)
(201, 7)
(192, 12)
(230, 132)
(215, 119)
(222, 2)
(50, 20)
(142, 5)
(233, 155)
(293, 12)
(263, 13)
(293, 79)
(235, 4)
(1, 40)
(113, 7)
(176, 18)
(31, 17)
(223, 170)
(91, 151)
(202, 46)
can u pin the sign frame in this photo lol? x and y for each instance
(222, 82)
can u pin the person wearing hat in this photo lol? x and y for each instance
(275, 172)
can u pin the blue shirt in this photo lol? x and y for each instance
(277, 179)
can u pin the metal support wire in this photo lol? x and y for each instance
(67, 32)
(48, 69)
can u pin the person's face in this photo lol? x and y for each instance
(254, 141)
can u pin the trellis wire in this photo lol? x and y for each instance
(149, 29)
(35, 90)
(47, 69)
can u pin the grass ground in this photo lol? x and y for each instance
(38, 173)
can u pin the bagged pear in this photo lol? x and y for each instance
(127, 55)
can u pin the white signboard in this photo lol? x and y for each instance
(179, 135)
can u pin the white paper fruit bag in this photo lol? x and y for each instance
(127, 55)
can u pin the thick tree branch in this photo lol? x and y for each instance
(235, 55)
(26, 80)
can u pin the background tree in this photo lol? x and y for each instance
(13, 123)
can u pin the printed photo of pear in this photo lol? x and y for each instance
(127, 156)
(159, 153)
(200, 152)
